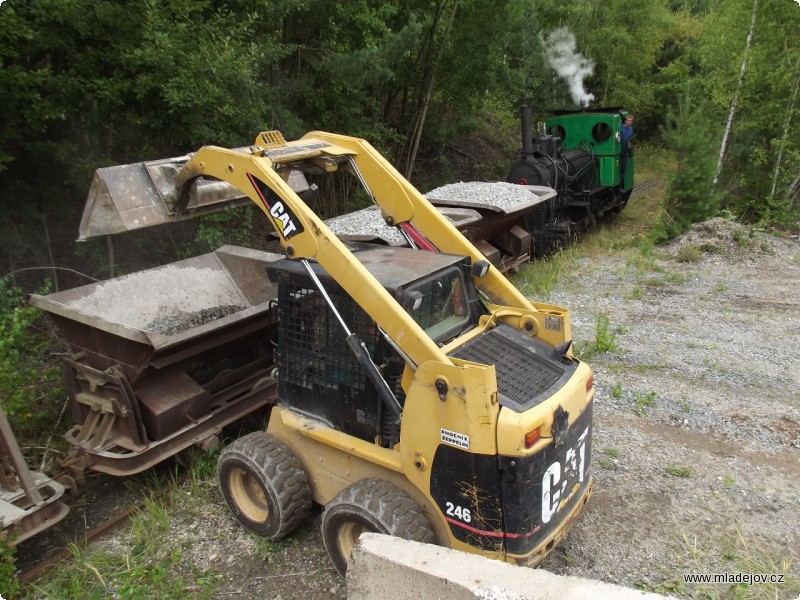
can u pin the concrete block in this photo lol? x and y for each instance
(387, 567)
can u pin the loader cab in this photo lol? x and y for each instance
(318, 374)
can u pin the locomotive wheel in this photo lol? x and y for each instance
(559, 241)
(371, 505)
(264, 485)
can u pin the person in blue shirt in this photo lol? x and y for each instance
(626, 149)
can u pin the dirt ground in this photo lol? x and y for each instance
(696, 452)
(697, 431)
(697, 417)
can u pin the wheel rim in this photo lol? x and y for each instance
(249, 495)
(348, 536)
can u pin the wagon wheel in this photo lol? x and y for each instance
(264, 485)
(371, 505)
(187, 457)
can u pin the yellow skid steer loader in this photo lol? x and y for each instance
(419, 393)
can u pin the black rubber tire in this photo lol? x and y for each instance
(371, 505)
(264, 485)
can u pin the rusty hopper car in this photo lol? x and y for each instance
(162, 359)
(491, 215)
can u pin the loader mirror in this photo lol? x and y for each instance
(412, 300)
(480, 268)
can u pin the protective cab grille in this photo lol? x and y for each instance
(528, 371)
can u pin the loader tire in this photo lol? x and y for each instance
(370, 505)
(264, 485)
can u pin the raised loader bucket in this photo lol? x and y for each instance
(128, 197)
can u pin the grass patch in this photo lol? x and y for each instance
(655, 282)
(675, 278)
(643, 402)
(691, 253)
(643, 264)
(743, 237)
(637, 293)
(609, 459)
(145, 561)
(680, 471)
(540, 277)
(9, 585)
(738, 552)
(605, 339)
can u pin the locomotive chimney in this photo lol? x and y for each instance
(526, 111)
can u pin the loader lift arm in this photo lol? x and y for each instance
(257, 173)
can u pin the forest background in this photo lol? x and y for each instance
(435, 85)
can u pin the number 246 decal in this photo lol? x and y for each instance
(458, 512)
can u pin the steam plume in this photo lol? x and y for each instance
(569, 64)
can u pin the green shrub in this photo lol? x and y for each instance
(31, 387)
(9, 585)
(690, 253)
(690, 196)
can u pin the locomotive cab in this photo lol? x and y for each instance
(580, 157)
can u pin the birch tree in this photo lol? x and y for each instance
(724, 144)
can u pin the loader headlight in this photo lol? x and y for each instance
(480, 268)
(412, 300)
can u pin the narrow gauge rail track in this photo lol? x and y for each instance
(87, 521)
(84, 526)
(641, 188)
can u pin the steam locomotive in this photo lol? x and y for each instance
(581, 156)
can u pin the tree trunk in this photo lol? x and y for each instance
(723, 146)
(420, 124)
(786, 125)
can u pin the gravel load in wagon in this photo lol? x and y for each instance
(495, 196)
(489, 214)
(169, 304)
(367, 224)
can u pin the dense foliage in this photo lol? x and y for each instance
(90, 83)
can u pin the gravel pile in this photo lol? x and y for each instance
(365, 222)
(158, 295)
(505, 196)
(368, 222)
(172, 324)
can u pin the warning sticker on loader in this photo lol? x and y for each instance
(455, 439)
